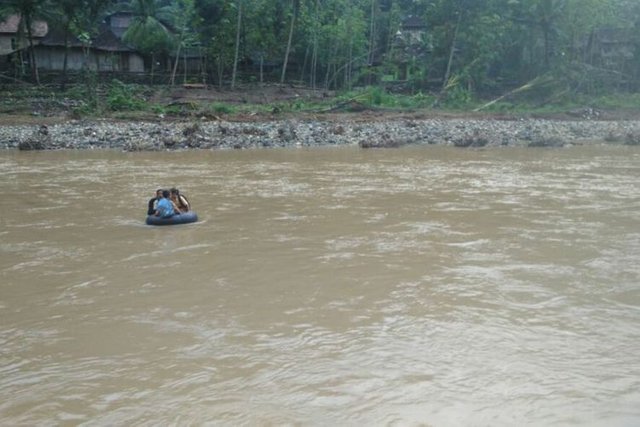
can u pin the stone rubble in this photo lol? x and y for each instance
(378, 132)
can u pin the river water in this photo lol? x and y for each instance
(329, 286)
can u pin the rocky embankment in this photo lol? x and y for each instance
(376, 132)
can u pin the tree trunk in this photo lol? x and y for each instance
(452, 50)
(261, 68)
(547, 45)
(348, 69)
(153, 63)
(63, 83)
(237, 50)
(304, 64)
(203, 66)
(314, 52)
(175, 67)
(175, 64)
(313, 79)
(220, 70)
(20, 69)
(34, 65)
(286, 55)
(330, 63)
(372, 31)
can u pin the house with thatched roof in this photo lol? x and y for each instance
(13, 35)
(105, 53)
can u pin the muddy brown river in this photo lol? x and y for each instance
(322, 287)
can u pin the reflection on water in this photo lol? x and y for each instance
(322, 287)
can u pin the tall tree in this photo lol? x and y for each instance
(183, 15)
(295, 4)
(237, 44)
(263, 28)
(67, 12)
(210, 23)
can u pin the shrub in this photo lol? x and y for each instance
(220, 108)
(124, 97)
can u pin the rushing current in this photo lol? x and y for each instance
(323, 287)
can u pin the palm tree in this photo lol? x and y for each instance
(150, 31)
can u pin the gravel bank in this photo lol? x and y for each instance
(379, 132)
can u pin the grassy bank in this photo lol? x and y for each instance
(118, 100)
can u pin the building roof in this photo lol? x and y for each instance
(12, 23)
(56, 37)
(413, 23)
(119, 22)
(105, 40)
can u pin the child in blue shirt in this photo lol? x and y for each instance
(166, 208)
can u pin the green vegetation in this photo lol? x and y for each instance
(220, 108)
(123, 97)
(437, 53)
(141, 102)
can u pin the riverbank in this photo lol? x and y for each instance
(365, 130)
(285, 116)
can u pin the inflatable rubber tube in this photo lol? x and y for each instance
(183, 218)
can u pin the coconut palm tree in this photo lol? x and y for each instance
(150, 31)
